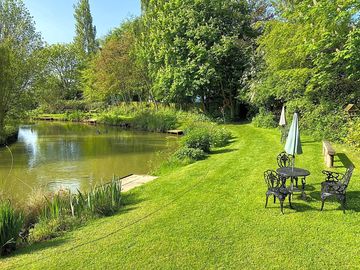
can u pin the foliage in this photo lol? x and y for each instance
(19, 42)
(308, 55)
(198, 138)
(159, 120)
(85, 33)
(47, 229)
(196, 49)
(113, 74)
(11, 223)
(189, 153)
(353, 135)
(322, 121)
(264, 119)
(220, 136)
(59, 76)
(104, 200)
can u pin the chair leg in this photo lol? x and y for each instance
(290, 201)
(343, 201)
(282, 206)
(322, 204)
(267, 198)
(274, 199)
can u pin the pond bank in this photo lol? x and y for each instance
(9, 138)
(211, 214)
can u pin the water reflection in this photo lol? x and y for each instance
(75, 156)
(29, 138)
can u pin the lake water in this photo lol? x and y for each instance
(55, 155)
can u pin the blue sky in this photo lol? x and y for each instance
(55, 20)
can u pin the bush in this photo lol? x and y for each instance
(189, 153)
(264, 119)
(220, 136)
(11, 223)
(47, 229)
(160, 120)
(353, 136)
(198, 138)
(321, 121)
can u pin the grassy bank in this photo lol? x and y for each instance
(211, 215)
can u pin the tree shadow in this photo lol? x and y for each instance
(222, 151)
(342, 161)
(130, 198)
(36, 247)
(352, 200)
(308, 142)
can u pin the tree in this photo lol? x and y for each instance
(85, 32)
(197, 49)
(59, 77)
(309, 51)
(19, 43)
(113, 74)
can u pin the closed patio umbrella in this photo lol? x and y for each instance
(293, 143)
(282, 121)
(282, 124)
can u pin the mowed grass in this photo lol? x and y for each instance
(211, 215)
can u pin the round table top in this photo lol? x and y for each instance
(292, 171)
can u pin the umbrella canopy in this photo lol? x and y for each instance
(282, 121)
(293, 143)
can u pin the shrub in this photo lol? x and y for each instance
(11, 223)
(353, 136)
(264, 119)
(75, 116)
(321, 121)
(35, 205)
(189, 153)
(198, 138)
(47, 229)
(220, 136)
(160, 120)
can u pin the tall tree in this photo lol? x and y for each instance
(197, 49)
(85, 32)
(19, 43)
(59, 76)
(113, 74)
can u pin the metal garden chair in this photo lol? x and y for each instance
(335, 184)
(276, 188)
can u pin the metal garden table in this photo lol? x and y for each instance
(294, 173)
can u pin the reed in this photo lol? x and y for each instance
(11, 222)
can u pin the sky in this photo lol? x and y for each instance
(55, 19)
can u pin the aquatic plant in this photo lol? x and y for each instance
(11, 222)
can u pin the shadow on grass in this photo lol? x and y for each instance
(352, 200)
(342, 161)
(308, 142)
(33, 248)
(222, 151)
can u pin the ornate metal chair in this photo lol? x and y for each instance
(276, 188)
(335, 184)
(285, 160)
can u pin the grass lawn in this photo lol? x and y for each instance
(211, 215)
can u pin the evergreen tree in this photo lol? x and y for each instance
(85, 38)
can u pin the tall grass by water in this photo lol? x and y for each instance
(11, 222)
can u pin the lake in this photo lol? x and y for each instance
(54, 155)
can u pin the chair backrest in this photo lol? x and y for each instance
(347, 176)
(272, 178)
(285, 160)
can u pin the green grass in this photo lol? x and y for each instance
(211, 215)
